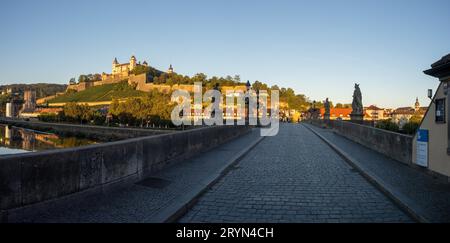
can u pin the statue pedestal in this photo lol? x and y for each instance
(326, 116)
(358, 118)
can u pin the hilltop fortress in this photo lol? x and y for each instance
(143, 82)
(120, 72)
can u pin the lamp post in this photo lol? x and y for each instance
(213, 100)
(257, 107)
(247, 103)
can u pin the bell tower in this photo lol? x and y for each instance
(417, 104)
(132, 63)
(114, 65)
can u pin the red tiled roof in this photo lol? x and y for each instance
(48, 110)
(337, 112)
(373, 107)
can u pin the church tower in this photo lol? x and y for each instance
(114, 65)
(417, 104)
(132, 63)
(170, 70)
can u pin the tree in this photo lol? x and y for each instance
(416, 118)
(5, 98)
(260, 86)
(340, 105)
(140, 69)
(76, 112)
(82, 78)
(156, 107)
(387, 125)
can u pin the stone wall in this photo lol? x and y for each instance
(394, 145)
(98, 132)
(31, 178)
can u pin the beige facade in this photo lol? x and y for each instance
(373, 113)
(438, 158)
(437, 123)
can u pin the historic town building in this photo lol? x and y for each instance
(431, 144)
(402, 115)
(29, 98)
(122, 70)
(374, 113)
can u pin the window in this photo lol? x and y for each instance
(440, 111)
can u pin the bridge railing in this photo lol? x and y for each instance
(394, 145)
(32, 178)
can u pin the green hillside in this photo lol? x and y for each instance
(105, 92)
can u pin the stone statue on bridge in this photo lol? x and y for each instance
(357, 106)
(326, 115)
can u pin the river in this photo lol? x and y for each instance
(15, 140)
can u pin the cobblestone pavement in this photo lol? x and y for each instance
(426, 195)
(294, 177)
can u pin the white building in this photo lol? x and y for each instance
(9, 110)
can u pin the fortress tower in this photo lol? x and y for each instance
(132, 63)
(114, 65)
(124, 69)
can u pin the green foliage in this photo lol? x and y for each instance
(153, 108)
(416, 118)
(89, 77)
(76, 112)
(105, 92)
(140, 70)
(387, 125)
(71, 91)
(410, 127)
(174, 78)
(82, 78)
(3, 100)
(50, 117)
(340, 105)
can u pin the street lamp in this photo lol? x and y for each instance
(247, 103)
(257, 107)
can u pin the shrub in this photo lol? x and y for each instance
(387, 125)
(410, 127)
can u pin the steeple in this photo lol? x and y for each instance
(170, 69)
(115, 62)
(417, 104)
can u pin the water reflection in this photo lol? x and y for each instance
(19, 140)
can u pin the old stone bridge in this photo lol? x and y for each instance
(223, 174)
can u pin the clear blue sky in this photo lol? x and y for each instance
(319, 48)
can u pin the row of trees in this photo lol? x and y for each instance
(87, 77)
(296, 101)
(76, 113)
(152, 109)
(155, 108)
